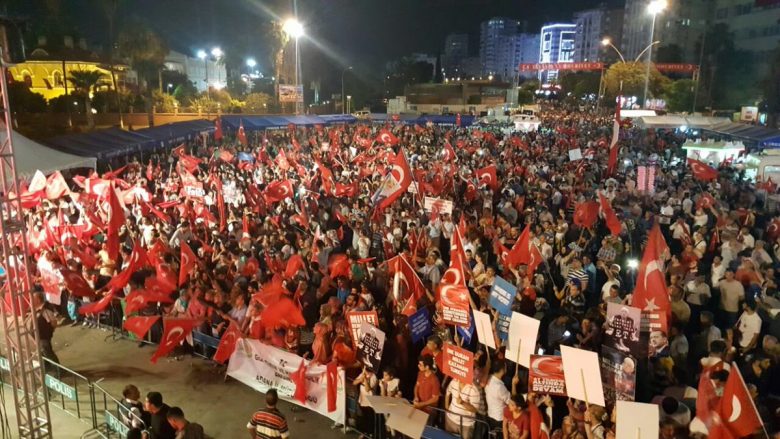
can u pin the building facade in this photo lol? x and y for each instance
(756, 25)
(593, 25)
(528, 52)
(557, 45)
(456, 50)
(498, 47)
(204, 73)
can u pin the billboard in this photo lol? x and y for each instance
(290, 93)
(562, 66)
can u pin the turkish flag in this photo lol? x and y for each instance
(586, 214)
(346, 190)
(138, 299)
(386, 137)
(99, 306)
(736, 408)
(241, 135)
(773, 229)
(650, 294)
(116, 219)
(613, 223)
(294, 264)
(409, 283)
(332, 381)
(520, 253)
(218, 129)
(37, 183)
(85, 256)
(395, 183)
(282, 314)
(327, 178)
(227, 344)
(502, 252)
(226, 156)
(138, 259)
(140, 325)
(188, 261)
(299, 378)
(539, 429)
(156, 212)
(536, 259)
(701, 171)
(339, 266)
(613, 145)
(56, 186)
(174, 332)
(149, 171)
(705, 201)
(76, 284)
(281, 161)
(277, 191)
(455, 304)
(449, 153)
(487, 176)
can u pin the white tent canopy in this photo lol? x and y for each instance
(678, 121)
(32, 156)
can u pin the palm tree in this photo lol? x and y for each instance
(85, 82)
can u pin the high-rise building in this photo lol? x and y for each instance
(498, 47)
(593, 25)
(528, 52)
(680, 24)
(755, 24)
(556, 46)
(456, 50)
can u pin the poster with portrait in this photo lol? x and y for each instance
(621, 331)
(370, 345)
(618, 374)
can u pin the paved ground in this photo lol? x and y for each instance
(223, 408)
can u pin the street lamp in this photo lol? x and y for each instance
(204, 56)
(169, 87)
(343, 108)
(654, 8)
(294, 29)
(607, 42)
(349, 104)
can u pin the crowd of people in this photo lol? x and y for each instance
(291, 216)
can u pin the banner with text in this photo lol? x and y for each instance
(369, 346)
(458, 363)
(356, 318)
(290, 93)
(502, 295)
(263, 367)
(561, 66)
(546, 375)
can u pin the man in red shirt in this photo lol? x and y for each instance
(433, 348)
(427, 389)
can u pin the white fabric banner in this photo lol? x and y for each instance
(263, 367)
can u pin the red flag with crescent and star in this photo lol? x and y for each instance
(76, 284)
(701, 171)
(409, 285)
(650, 294)
(586, 214)
(613, 223)
(520, 253)
(299, 379)
(227, 344)
(187, 262)
(386, 137)
(737, 409)
(138, 259)
(613, 145)
(241, 135)
(174, 332)
(116, 219)
(140, 325)
(218, 129)
(395, 183)
(277, 191)
(99, 306)
(487, 176)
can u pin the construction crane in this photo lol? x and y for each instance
(22, 348)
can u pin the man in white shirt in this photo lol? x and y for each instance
(749, 326)
(496, 394)
(462, 402)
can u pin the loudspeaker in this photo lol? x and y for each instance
(11, 42)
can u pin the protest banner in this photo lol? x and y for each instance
(458, 363)
(621, 330)
(502, 295)
(370, 345)
(263, 367)
(583, 375)
(545, 375)
(502, 326)
(618, 372)
(420, 325)
(194, 190)
(356, 318)
(523, 331)
(455, 305)
(438, 205)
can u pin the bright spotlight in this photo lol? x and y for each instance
(633, 264)
(202, 54)
(293, 28)
(216, 52)
(251, 62)
(656, 6)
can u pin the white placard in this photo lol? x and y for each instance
(583, 375)
(523, 332)
(636, 420)
(263, 367)
(444, 206)
(412, 188)
(484, 329)
(408, 421)
(575, 154)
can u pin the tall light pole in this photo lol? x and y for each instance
(343, 98)
(202, 55)
(654, 8)
(217, 54)
(294, 29)
(607, 42)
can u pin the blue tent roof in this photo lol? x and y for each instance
(338, 118)
(174, 133)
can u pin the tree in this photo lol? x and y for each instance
(164, 103)
(726, 71)
(257, 103)
(771, 89)
(23, 100)
(679, 95)
(632, 75)
(84, 81)
(580, 83)
(147, 52)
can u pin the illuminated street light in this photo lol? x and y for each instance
(657, 6)
(654, 8)
(216, 52)
(251, 62)
(202, 54)
(293, 28)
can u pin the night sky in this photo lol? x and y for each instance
(362, 33)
